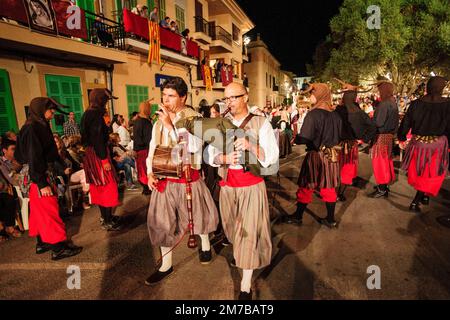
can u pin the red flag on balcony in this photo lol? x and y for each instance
(154, 50)
(70, 24)
(14, 10)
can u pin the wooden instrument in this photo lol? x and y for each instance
(167, 162)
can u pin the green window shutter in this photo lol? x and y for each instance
(7, 111)
(66, 90)
(135, 95)
(150, 5)
(179, 13)
(162, 9)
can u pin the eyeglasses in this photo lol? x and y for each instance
(232, 98)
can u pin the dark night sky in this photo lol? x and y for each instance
(291, 29)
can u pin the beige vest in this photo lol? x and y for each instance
(196, 158)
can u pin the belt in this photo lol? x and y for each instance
(331, 153)
(426, 139)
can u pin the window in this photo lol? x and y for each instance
(179, 13)
(150, 5)
(236, 32)
(66, 90)
(135, 95)
(162, 9)
(7, 111)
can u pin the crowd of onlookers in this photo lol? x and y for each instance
(166, 23)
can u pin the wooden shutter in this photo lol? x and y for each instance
(8, 119)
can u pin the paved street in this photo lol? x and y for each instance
(309, 262)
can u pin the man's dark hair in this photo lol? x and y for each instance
(167, 18)
(134, 113)
(177, 84)
(6, 143)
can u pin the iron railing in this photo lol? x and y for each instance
(201, 25)
(105, 32)
(219, 33)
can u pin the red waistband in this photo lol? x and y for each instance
(195, 175)
(237, 178)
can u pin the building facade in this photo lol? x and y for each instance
(110, 49)
(263, 72)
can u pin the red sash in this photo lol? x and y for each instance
(237, 178)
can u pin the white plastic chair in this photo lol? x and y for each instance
(24, 207)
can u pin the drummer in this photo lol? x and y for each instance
(167, 218)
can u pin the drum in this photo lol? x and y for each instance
(167, 162)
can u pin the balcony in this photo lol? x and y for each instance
(96, 43)
(174, 47)
(221, 39)
(201, 33)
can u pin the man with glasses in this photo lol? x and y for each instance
(243, 198)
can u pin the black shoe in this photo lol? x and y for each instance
(414, 207)
(205, 256)
(225, 241)
(67, 251)
(114, 225)
(292, 219)
(157, 277)
(341, 198)
(233, 263)
(379, 193)
(245, 295)
(42, 247)
(425, 200)
(331, 225)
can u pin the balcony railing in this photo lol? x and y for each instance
(105, 32)
(219, 33)
(201, 25)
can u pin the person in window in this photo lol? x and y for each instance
(174, 27)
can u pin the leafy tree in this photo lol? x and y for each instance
(413, 40)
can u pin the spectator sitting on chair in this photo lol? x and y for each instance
(124, 134)
(74, 173)
(122, 160)
(8, 196)
(165, 23)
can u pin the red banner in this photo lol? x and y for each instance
(14, 10)
(60, 8)
(138, 26)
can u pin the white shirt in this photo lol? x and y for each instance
(115, 127)
(124, 135)
(267, 141)
(171, 138)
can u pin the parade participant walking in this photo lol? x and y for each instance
(142, 135)
(167, 218)
(356, 126)
(426, 158)
(37, 149)
(321, 132)
(97, 163)
(243, 197)
(386, 119)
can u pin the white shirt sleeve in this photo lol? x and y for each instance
(195, 144)
(151, 151)
(269, 143)
(210, 154)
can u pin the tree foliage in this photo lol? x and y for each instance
(413, 40)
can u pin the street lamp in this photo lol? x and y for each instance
(247, 40)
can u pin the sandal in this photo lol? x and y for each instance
(14, 233)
